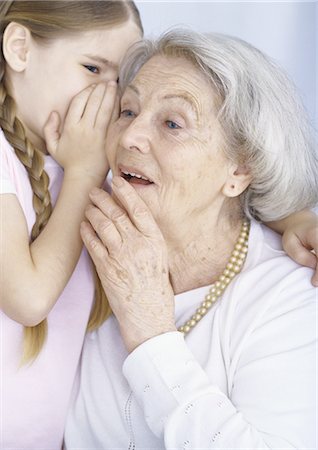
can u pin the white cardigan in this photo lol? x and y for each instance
(244, 378)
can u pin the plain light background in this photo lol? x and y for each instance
(287, 31)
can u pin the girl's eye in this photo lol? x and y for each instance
(92, 69)
(127, 113)
(172, 125)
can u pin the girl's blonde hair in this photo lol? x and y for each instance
(49, 20)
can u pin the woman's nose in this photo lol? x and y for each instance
(136, 136)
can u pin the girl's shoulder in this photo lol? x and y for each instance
(5, 146)
(14, 179)
(8, 166)
(7, 153)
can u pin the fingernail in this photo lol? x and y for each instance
(118, 181)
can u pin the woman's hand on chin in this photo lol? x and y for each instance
(131, 259)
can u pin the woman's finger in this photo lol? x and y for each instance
(104, 201)
(105, 229)
(138, 211)
(94, 246)
(107, 106)
(78, 105)
(113, 211)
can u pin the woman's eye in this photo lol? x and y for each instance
(127, 113)
(172, 125)
(92, 69)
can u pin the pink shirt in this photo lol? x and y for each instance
(34, 399)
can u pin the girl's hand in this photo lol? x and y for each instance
(130, 255)
(300, 241)
(80, 148)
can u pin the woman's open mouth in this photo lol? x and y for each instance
(135, 178)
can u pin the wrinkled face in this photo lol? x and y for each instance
(57, 71)
(167, 141)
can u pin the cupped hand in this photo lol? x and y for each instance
(80, 148)
(131, 259)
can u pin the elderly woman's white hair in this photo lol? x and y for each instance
(264, 124)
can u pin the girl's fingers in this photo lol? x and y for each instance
(105, 229)
(296, 250)
(107, 106)
(94, 246)
(78, 105)
(51, 132)
(138, 211)
(93, 104)
(116, 109)
(302, 255)
(314, 279)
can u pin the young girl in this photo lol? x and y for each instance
(52, 51)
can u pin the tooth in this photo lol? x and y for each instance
(132, 174)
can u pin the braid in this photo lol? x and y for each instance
(30, 157)
(33, 161)
(4, 8)
(46, 20)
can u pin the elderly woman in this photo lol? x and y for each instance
(212, 341)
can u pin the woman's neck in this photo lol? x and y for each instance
(201, 259)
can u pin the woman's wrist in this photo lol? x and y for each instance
(133, 338)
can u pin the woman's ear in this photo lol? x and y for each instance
(16, 46)
(237, 181)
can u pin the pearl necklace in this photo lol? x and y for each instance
(233, 267)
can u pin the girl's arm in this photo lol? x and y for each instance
(33, 276)
(300, 238)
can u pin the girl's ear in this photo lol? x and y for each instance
(16, 46)
(237, 181)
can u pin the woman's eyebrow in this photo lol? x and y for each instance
(102, 60)
(187, 98)
(133, 88)
(184, 96)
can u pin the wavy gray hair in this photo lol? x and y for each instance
(264, 124)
